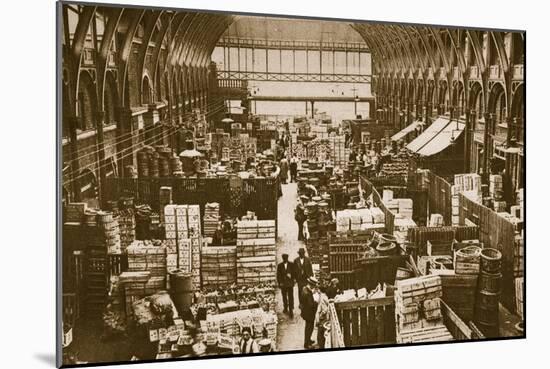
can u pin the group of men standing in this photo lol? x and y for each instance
(312, 303)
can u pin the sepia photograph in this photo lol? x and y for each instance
(235, 184)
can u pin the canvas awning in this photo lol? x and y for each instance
(405, 131)
(436, 137)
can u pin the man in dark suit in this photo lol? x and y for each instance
(303, 270)
(308, 310)
(285, 279)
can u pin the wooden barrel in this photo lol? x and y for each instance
(491, 260)
(466, 260)
(386, 248)
(487, 312)
(181, 290)
(386, 237)
(490, 282)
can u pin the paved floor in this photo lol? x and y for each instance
(290, 332)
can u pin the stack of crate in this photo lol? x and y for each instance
(218, 266)
(211, 218)
(149, 256)
(495, 186)
(339, 152)
(134, 287)
(197, 244)
(469, 185)
(418, 310)
(127, 225)
(109, 226)
(95, 273)
(256, 252)
(170, 219)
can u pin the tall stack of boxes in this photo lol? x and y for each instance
(496, 192)
(339, 152)
(256, 252)
(149, 256)
(109, 225)
(211, 218)
(182, 224)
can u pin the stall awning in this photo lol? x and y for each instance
(436, 137)
(405, 131)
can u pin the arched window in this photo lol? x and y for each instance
(476, 100)
(497, 103)
(86, 102)
(146, 91)
(111, 99)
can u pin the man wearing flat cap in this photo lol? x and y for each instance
(247, 345)
(309, 309)
(302, 271)
(285, 279)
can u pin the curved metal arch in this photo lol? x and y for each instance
(399, 63)
(180, 39)
(404, 46)
(385, 60)
(389, 62)
(517, 97)
(414, 45)
(377, 55)
(158, 47)
(115, 15)
(151, 23)
(424, 43)
(201, 38)
(501, 51)
(475, 89)
(491, 98)
(480, 60)
(440, 48)
(209, 35)
(134, 16)
(459, 56)
(226, 22)
(187, 40)
(75, 54)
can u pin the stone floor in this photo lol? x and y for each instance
(290, 331)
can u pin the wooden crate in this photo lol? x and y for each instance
(459, 292)
(378, 316)
(367, 322)
(344, 249)
(439, 248)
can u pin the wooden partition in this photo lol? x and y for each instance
(367, 322)
(235, 196)
(420, 235)
(439, 197)
(336, 338)
(372, 322)
(369, 188)
(498, 233)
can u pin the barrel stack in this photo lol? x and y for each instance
(488, 292)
